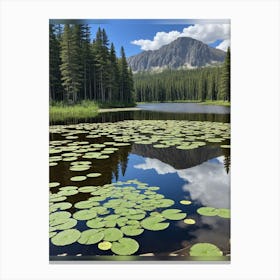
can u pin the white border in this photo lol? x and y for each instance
(24, 138)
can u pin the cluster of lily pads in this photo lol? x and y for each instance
(183, 135)
(211, 211)
(69, 151)
(113, 214)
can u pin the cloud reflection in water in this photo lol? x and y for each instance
(207, 183)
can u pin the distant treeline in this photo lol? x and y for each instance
(85, 69)
(209, 83)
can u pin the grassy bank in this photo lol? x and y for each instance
(216, 102)
(107, 105)
(206, 102)
(61, 112)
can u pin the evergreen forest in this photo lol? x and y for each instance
(84, 69)
(201, 84)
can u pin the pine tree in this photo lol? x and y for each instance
(85, 59)
(225, 78)
(114, 75)
(54, 62)
(70, 67)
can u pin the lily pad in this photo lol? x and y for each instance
(59, 215)
(164, 203)
(52, 233)
(154, 223)
(60, 206)
(105, 245)
(93, 175)
(224, 213)
(83, 215)
(185, 202)
(87, 189)
(85, 204)
(66, 237)
(205, 250)
(96, 223)
(68, 188)
(207, 211)
(125, 247)
(78, 178)
(91, 236)
(67, 224)
(79, 168)
(112, 234)
(68, 192)
(132, 230)
(189, 221)
(173, 214)
(54, 184)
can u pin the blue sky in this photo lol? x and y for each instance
(138, 35)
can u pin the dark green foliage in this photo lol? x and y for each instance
(224, 92)
(71, 66)
(85, 70)
(196, 84)
(54, 63)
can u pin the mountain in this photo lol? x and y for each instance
(184, 52)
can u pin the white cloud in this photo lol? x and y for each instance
(207, 33)
(224, 45)
(208, 182)
(159, 166)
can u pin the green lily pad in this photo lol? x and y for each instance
(66, 237)
(189, 221)
(67, 224)
(173, 214)
(54, 184)
(68, 192)
(87, 189)
(68, 188)
(112, 234)
(224, 213)
(78, 178)
(69, 158)
(102, 157)
(105, 245)
(52, 163)
(59, 215)
(225, 146)
(96, 223)
(93, 175)
(122, 221)
(154, 223)
(185, 202)
(98, 198)
(85, 204)
(205, 250)
(79, 168)
(164, 203)
(132, 230)
(207, 211)
(125, 247)
(60, 206)
(91, 236)
(57, 198)
(83, 215)
(51, 234)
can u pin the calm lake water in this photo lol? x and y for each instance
(201, 175)
(192, 108)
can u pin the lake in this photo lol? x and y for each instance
(122, 173)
